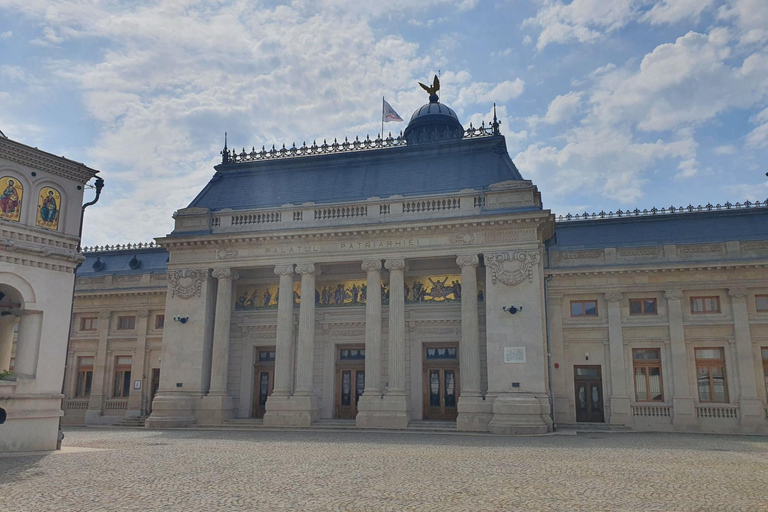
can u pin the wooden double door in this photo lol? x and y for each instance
(588, 382)
(350, 380)
(441, 382)
(263, 380)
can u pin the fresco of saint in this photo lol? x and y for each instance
(48, 207)
(10, 198)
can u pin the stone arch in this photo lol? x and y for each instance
(18, 285)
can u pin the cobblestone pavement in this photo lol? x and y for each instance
(260, 470)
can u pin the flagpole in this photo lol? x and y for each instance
(382, 118)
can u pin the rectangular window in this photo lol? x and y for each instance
(647, 365)
(705, 305)
(642, 306)
(583, 308)
(84, 377)
(710, 375)
(122, 386)
(12, 364)
(761, 303)
(88, 323)
(159, 321)
(126, 322)
(765, 367)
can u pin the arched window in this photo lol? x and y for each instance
(48, 208)
(11, 192)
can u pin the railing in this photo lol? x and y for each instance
(298, 215)
(663, 211)
(120, 247)
(384, 209)
(433, 205)
(341, 212)
(117, 404)
(256, 218)
(717, 412)
(479, 201)
(652, 411)
(233, 157)
(76, 404)
(215, 222)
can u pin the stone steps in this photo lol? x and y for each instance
(434, 426)
(137, 422)
(593, 427)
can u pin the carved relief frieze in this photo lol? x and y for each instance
(126, 279)
(455, 331)
(465, 238)
(640, 251)
(580, 255)
(754, 246)
(193, 256)
(186, 283)
(700, 248)
(158, 277)
(226, 253)
(509, 235)
(511, 268)
(348, 332)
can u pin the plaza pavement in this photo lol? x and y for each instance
(131, 469)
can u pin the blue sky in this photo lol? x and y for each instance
(605, 104)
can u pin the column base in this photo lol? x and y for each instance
(621, 411)
(291, 411)
(213, 409)
(474, 413)
(171, 410)
(388, 411)
(517, 414)
(752, 416)
(684, 414)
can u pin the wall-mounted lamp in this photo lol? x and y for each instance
(180, 319)
(512, 309)
(586, 356)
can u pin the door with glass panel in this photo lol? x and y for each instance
(263, 380)
(350, 380)
(588, 382)
(441, 382)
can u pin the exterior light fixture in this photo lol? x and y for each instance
(512, 309)
(180, 319)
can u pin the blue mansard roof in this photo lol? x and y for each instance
(151, 261)
(677, 228)
(443, 167)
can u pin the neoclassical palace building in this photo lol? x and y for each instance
(394, 281)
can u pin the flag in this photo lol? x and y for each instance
(388, 114)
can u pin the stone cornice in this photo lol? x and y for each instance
(123, 292)
(40, 160)
(655, 268)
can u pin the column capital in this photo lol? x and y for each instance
(395, 264)
(673, 294)
(105, 315)
(371, 265)
(225, 273)
(143, 313)
(284, 270)
(305, 268)
(737, 292)
(613, 296)
(467, 260)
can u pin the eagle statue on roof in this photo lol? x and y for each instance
(432, 90)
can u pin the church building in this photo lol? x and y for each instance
(388, 282)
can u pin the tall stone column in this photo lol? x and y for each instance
(621, 413)
(217, 405)
(474, 412)
(7, 324)
(279, 407)
(28, 345)
(135, 407)
(369, 405)
(751, 415)
(96, 401)
(682, 400)
(394, 408)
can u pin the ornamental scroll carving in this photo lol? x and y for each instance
(467, 260)
(739, 293)
(394, 264)
(284, 270)
(511, 268)
(613, 296)
(186, 284)
(673, 294)
(371, 265)
(225, 273)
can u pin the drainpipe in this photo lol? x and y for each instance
(99, 184)
(549, 350)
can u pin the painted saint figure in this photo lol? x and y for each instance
(10, 201)
(48, 207)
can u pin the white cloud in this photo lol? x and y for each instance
(749, 16)
(758, 138)
(6, 35)
(484, 92)
(560, 109)
(727, 149)
(673, 11)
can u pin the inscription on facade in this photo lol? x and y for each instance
(399, 243)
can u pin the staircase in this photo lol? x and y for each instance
(593, 427)
(432, 426)
(133, 422)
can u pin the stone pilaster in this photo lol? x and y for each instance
(28, 345)
(96, 400)
(135, 406)
(369, 404)
(395, 403)
(279, 406)
(474, 412)
(217, 404)
(684, 410)
(621, 413)
(751, 412)
(6, 340)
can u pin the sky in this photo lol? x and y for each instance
(605, 104)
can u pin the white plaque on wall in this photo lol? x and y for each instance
(514, 354)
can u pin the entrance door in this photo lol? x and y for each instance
(154, 386)
(263, 380)
(441, 382)
(350, 380)
(589, 393)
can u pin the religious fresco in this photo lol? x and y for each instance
(48, 208)
(11, 193)
(430, 289)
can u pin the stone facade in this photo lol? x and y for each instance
(40, 213)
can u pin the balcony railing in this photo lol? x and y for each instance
(116, 404)
(76, 404)
(652, 411)
(717, 411)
